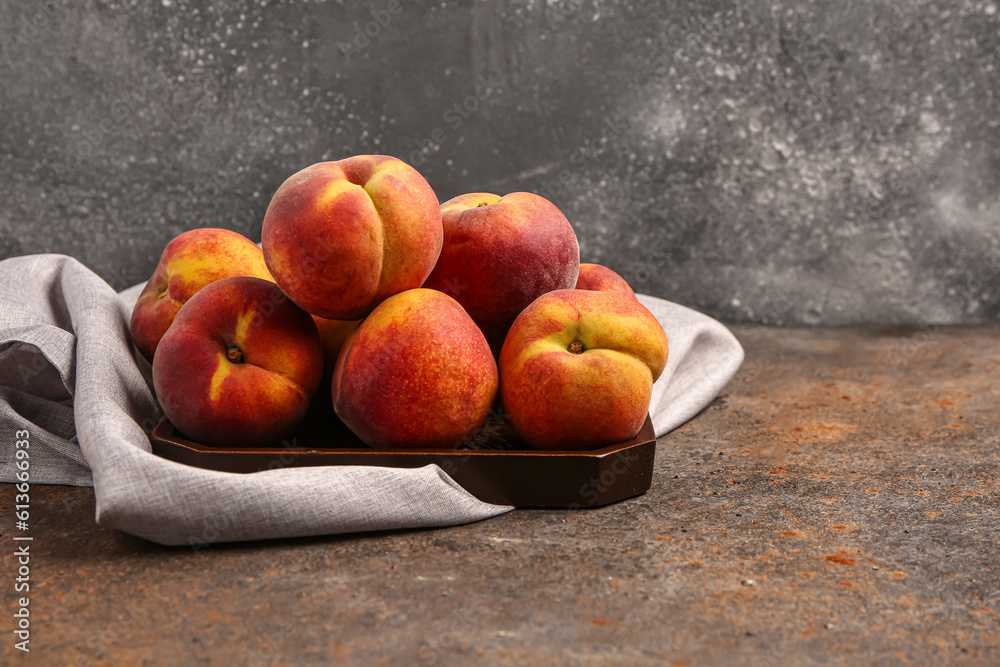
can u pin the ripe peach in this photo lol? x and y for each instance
(500, 254)
(238, 365)
(188, 263)
(333, 334)
(602, 279)
(341, 237)
(416, 374)
(577, 369)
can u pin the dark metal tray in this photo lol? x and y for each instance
(497, 469)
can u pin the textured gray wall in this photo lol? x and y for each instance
(781, 161)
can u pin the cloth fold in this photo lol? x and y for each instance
(70, 376)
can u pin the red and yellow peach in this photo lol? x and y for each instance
(341, 237)
(500, 254)
(599, 278)
(577, 369)
(189, 262)
(238, 365)
(417, 373)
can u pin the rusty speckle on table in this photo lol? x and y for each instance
(908, 575)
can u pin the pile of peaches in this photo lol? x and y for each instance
(418, 316)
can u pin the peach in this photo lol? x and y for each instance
(188, 263)
(238, 365)
(500, 254)
(341, 237)
(333, 334)
(577, 369)
(417, 373)
(602, 279)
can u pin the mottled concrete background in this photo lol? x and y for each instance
(781, 162)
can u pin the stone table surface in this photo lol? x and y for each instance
(837, 505)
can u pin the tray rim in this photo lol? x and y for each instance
(523, 478)
(166, 432)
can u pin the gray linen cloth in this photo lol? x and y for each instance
(69, 376)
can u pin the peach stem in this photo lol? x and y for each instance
(234, 355)
(576, 347)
